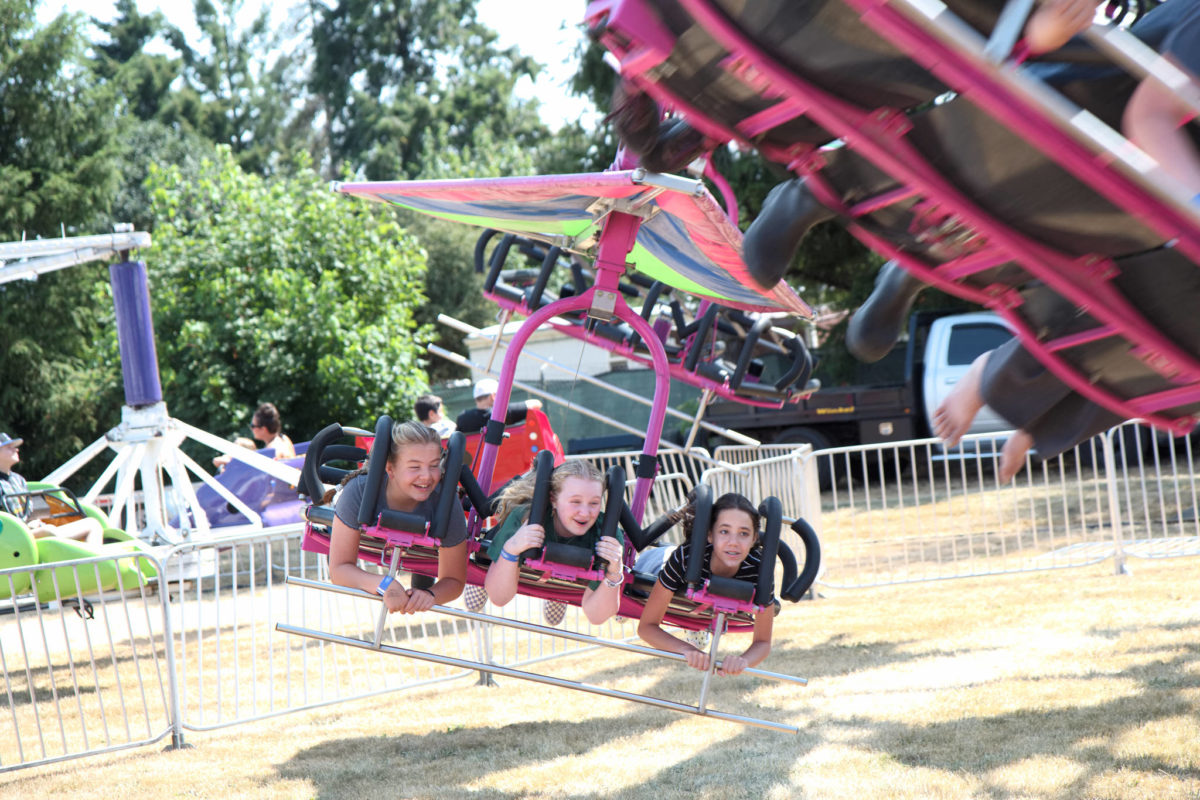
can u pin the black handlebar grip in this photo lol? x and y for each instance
(544, 466)
(539, 287)
(376, 470)
(771, 511)
(474, 491)
(702, 503)
(342, 452)
(802, 365)
(812, 559)
(787, 560)
(615, 480)
(406, 521)
(310, 477)
(747, 354)
(633, 531)
(655, 291)
(499, 256)
(701, 337)
(651, 533)
(480, 246)
(446, 505)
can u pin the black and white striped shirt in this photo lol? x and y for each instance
(674, 571)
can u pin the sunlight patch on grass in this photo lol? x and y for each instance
(1037, 776)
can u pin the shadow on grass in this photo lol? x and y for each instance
(445, 764)
(1090, 735)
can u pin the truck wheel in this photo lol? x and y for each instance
(819, 441)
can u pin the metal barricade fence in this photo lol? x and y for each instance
(1154, 483)
(191, 644)
(235, 667)
(86, 670)
(910, 512)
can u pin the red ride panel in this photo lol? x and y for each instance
(519, 448)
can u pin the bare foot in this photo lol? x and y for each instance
(1012, 455)
(953, 417)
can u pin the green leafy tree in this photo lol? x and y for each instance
(58, 147)
(281, 290)
(57, 391)
(399, 79)
(143, 79)
(239, 88)
(57, 131)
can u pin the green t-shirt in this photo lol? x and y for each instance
(520, 514)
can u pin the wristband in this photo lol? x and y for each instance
(507, 556)
(613, 584)
(384, 584)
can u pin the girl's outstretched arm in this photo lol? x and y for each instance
(344, 569)
(651, 631)
(758, 650)
(1153, 121)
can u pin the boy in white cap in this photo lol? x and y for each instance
(14, 499)
(473, 420)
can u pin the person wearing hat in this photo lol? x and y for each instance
(473, 420)
(14, 498)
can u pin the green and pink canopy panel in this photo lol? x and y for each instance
(684, 240)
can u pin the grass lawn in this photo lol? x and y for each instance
(1063, 685)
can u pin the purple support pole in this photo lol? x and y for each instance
(135, 333)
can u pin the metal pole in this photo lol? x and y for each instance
(1114, 504)
(176, 709)
(712, 658)
(531, 627)
(531, 676)
(383, 609)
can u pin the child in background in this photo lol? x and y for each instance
(732, 551)
(576, 497)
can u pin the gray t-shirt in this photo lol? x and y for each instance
(13, 484)
(351, 498)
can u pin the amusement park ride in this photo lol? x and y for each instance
(921, 126)
(148, 463)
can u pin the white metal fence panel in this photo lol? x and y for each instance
(781, 471)
(1154, 481)
(908, 512)
(234, 666)
(84, 671)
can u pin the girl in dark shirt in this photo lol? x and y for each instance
(732, 552)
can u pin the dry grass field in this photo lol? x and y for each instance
(1056, 685)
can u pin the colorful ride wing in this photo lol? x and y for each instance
(685, 240)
